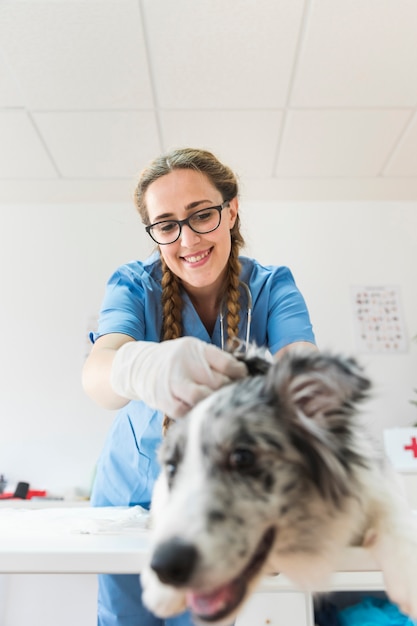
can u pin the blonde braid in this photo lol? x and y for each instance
(171, 315)
(171, 304)
(232, 290)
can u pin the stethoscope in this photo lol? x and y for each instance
(248, 317)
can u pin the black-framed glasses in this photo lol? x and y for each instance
(201, 222)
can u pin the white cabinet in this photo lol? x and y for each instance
(277, 609)
(48, 600)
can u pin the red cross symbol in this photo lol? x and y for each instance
(412, 447)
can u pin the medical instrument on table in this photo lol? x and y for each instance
(248, 317)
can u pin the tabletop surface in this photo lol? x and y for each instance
(85, 540)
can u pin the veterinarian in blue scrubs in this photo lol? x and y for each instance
(162, 327)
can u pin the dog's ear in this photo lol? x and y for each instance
(315, 396)
(257, 360)
(318, 384)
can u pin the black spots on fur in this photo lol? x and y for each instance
(271, 440)
(171, 451)
(257, 359)
(205, 449)
(216, 516)
(268, 482)
(323, 469)
(238, 520)
(287, 488)
(243, 437)
(257, 365)
(283, 510)
(225, 520)
(240, 397)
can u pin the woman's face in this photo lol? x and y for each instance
(198, 260)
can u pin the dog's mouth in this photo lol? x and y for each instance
(218, 604)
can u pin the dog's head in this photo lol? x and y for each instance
(249, 480)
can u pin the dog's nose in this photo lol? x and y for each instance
(174, 561)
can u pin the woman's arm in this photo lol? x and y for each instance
(171, 376)
(297, 345)
(97, 368)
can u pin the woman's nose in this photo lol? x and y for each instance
(188, 236)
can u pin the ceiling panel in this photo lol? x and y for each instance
(10, 93)
(217, 54)
(100, 145)
(339, 143)
(358, 53)
(22, 153)
(404, 160)
(304, 99)
(77, 55)
(235, 136)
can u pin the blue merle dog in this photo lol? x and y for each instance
(270, 474)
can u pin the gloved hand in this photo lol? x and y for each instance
(174, 375)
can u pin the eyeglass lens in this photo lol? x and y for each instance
(201, 222)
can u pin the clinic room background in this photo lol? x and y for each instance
(312, 103)
(54, 267)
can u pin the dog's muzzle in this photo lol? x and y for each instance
(174, 561)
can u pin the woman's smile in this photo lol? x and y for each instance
(197, 258)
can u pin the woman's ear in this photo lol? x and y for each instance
(233, 211)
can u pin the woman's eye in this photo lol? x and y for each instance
(167, 228)
(202, 217)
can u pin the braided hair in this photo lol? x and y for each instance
(224, 180)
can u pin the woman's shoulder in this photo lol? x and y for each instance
(137, 271)
(252, 269)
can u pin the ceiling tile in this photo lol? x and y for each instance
(234, 136)
(404, 161)
(10, 93)
(221, 54)
(22, 154)
(77, 55)
(100, 145)
(338, 143)
(358, 53)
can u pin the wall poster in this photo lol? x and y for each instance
(378, 319)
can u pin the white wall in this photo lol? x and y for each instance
(55, 260)
(54, 263)
(331, 247)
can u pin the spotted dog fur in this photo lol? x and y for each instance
(274, 474)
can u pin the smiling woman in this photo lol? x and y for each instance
(162, 326)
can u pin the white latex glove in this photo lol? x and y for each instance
(174, 375)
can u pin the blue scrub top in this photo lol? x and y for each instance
(127, 468)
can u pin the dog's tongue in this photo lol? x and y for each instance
(216, 602)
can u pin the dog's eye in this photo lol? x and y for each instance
(241, 458)
(171, 470)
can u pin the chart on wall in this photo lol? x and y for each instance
(378, 319)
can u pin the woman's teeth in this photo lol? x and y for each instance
(198, 257)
